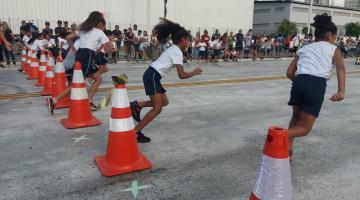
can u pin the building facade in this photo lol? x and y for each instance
(353, 4)
(194, 15)
(269, 14)
(321, 2)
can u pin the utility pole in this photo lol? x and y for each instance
(310, 13)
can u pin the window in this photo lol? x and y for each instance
(279, 9)
(260, 11)
(300, 9)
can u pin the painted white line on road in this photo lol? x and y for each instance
(134, 189)
(76, 140)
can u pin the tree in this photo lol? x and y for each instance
(286, 27)
(352, 29)
(305, 30)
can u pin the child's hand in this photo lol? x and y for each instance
(197, 71)
(339, 96)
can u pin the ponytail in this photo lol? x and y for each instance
(167, 28)
(34, 37)
(92, 21)
(323, 24)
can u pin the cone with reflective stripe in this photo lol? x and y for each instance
(34, 67)
(42, 70)
(274, 177)
(79, 113)
(60, 85)
(23, 58)
(49, 77)
(28, 63)
(122, 153)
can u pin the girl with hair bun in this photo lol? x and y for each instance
(309, 71)
(171, 58)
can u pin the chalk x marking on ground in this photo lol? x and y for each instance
(76, 140)
(134, 189)
(174, 85)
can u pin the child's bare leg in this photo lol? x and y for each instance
(158, 101)
(64, 94)
(302, 127)
(294, 120)
(95, 85)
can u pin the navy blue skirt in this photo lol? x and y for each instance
(87, 59)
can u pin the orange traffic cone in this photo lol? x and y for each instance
(79, 113)
(34, 67)
(122, 154)
(42, 70)
(23, 58)
(274, 177)
(49, 77)
(60, 85)
(28, 63)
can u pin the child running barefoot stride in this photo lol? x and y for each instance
(309, 71)
(169, 59)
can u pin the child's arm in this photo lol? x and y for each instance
(70, 38)
(184, 75)
(292, 69)
(340, 70)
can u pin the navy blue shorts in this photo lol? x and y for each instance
(308, 93)
(87, 59)
(152, 82)
(100, 59)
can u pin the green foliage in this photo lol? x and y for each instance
(305, 30)
(352, 29)
(286, 27)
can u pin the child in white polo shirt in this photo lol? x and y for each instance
(170, 59)
(309, 71)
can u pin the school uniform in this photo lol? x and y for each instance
(89, 42)
(167, 61)
(314, 66)
(65, 46)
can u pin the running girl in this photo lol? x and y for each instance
(91, 37)
(309, 71)
(171, 58)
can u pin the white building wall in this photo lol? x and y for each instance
(195, 15)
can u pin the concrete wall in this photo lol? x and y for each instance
(299, 14)
(195, 15)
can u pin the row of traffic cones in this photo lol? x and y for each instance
(122, 154)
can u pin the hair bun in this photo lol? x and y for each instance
(322, 20)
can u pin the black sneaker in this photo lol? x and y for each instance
(135, 110)
(93, 106)
(3, 66)
(51, 105)
(141, 138)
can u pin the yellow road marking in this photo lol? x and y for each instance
(171, 85)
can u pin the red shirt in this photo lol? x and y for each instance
(206, 39)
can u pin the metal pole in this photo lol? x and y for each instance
(310, 13)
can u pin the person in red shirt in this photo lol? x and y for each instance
(2, 42)
(206, 39)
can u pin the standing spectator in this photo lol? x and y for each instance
(279, 43)
(296, 43)
(214, 35)
(269, 46)
(22, 28)
(190, 47)
(217, 48)
(202, 49)
(10, 38)
(33, 27)
(47, 29)
(66, 26)
(144, 44)
(130, 38)
(153, 46)
(263, 41)
(239, 37)
(206, 39)
(196, 45)
(230, 40)
(287, 44)
(118, 36)
(73, 28)
(138, 36)
(248, 43)
(59, 29)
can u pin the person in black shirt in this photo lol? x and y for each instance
(66, 26)
(59, 29)
(47, 29)
(22, 28)
(239, 42)
(10, 38)
(117, 33)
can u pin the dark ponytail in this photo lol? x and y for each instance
(34, 37)
(92, 21)
(168, 28)
(323, 24)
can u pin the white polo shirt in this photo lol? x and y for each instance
(168, 60)
(92, 39)
(316, 59)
